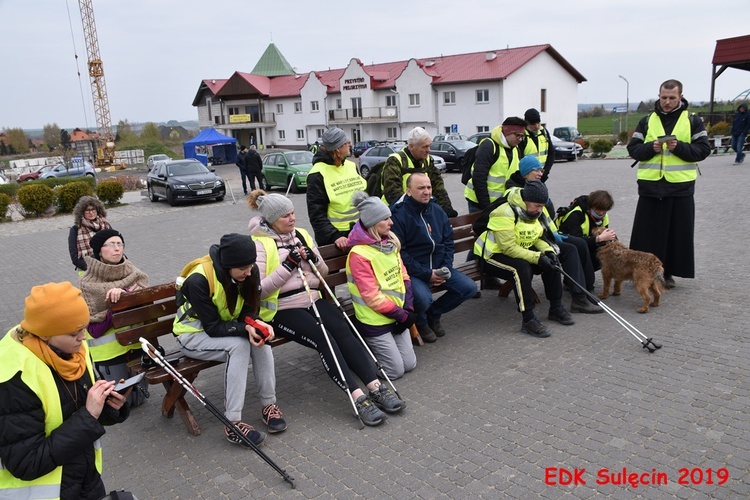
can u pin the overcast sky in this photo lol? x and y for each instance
(156, 52)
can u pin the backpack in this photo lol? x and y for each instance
(375, 179)
(480, 224)
(467, 162)
(208, 268)
(562, 211)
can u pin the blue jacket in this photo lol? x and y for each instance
(426, 236)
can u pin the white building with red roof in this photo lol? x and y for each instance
(274, 106)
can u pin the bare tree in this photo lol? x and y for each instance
(51, 136)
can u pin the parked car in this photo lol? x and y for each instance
(35, 174)
(154, 158)
(476, 138)
(361, 147)
(77, 168)
(379, 153)
(183, 180)
(566, 150)
(451, 152)
(567, 133)
(451, 137)
(281, 166)
(3, 179)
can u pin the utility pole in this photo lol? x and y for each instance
(627, 101)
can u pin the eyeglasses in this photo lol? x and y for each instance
(114, 244)
(91, 210)
(519, 136)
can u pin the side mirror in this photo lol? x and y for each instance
(282, 164)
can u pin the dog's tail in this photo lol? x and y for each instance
(659, 279)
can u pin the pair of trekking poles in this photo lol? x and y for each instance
(160, 360)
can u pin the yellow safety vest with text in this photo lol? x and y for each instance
(387, 269)
(15, 358)
(270, 304)
(184, 323)
(500, 172)
(340, 183)
(667, 165)
(503, 218)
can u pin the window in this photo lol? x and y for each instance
(314, 106)
(300, 134)
(357, 107)
(233, 110)
(390, 101)
(319, 133)
(483, 95)
(543, 101)
(298, 107)
(413, 99)
(279, 109)
(282, 135)
(392, 133)
(446, 130)
(338, 103)
(483, 128)
(210, 111)
(449, 97)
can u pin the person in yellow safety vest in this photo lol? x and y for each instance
(588, 212)
(537, 142)
(53, 407)
(491, 170)
(210, 325)
(668, 143)
(418, 159)
(108, 275)
(283, 251)
(381, 287)
(513, 248)
(330, 185)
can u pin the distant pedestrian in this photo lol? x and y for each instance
(254, 164)
(740, 127)
(668, 143)
(241, 163)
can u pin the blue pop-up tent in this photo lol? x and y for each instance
(223, 147)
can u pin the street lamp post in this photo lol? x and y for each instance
(627, 101)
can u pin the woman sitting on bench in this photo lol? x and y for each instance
(283, 251)
(108, 275)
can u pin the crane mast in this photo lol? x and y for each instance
(106, 147)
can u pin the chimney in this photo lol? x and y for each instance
(489, 56)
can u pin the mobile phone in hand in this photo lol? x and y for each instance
(260, 329)
(666, 138)
(124, 386)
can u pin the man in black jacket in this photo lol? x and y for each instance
(254, 165)
(241, 163)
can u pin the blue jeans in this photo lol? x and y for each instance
(459, 288)
(738, 142)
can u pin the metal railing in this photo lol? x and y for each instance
(384, 113)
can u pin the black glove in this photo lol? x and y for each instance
(411, 318)
(450, 212)
(546, 264)
(311, 255)
(554, 258)
(292, 261)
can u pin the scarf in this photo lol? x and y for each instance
(101, 277)
(69, 369)
(87, 229)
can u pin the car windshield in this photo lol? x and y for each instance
(190, 168)
(299, 158)
(463, 144)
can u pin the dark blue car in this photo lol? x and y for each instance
(361, 147)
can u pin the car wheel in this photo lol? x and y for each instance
(170, 198)
(364, 171)
(264, 184)
(220, 198)
(89, 174)
(295, 187)
(151, 195)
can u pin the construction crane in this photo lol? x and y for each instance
(105, 156)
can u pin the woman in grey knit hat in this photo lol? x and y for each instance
(283, 250)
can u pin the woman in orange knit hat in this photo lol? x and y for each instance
(53, 407)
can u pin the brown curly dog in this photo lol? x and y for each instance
(644, 269)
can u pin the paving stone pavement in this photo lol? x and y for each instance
(490, 411)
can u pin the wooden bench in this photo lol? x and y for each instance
(149, 313)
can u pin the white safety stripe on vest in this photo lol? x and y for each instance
(106, 339)
(31, 492)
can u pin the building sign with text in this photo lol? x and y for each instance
(240, 118)
(354, 84)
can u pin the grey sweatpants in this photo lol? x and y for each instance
(236, 352)
(395, 353)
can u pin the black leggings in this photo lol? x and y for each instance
(300, 325)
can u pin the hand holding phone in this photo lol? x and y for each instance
(666, 138)
(259, 329)
(127, 384)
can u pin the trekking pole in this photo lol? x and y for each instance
(234, 201)
(160, 360)
(289, 187)
(646, 342)
(351, 325)
(330, 346)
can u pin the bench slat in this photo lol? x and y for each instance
(139, 297)
(145, 313)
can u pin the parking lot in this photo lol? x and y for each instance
(491, 412)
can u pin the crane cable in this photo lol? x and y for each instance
(78, 69)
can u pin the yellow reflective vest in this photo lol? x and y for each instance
(184, 323)
(667, 165)
(541, 151)
(387, 269)
(586, 225)
(340, 184)
(14, 358)
(107, 347)
(499, 173)
(270, 304)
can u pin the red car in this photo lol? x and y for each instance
(35, 174)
